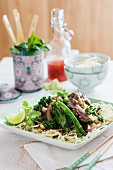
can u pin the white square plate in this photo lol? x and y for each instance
(43, 138)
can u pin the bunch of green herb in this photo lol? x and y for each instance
(33, 46)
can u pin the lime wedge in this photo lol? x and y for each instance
(53, 85)
(15, 118)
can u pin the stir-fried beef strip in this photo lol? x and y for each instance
(78, 99)
(84, 117)
(84, 99)
(74, 97)
(80, 113)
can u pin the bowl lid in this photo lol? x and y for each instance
(8, 94)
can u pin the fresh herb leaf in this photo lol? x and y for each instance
(26, 106)
(22, 46)
(25, 103)
(29, 122)
(35, 47)
(91, 110)
(90, 122)
(30, 47)
(44, 48)
(34, 40)
(34, 115)
(14, 50)
(101, 119)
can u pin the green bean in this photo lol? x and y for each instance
(76, 123)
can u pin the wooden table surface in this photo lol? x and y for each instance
(13, 156)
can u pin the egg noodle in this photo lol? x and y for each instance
(89, 62)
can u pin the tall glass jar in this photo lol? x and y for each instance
(59, 46)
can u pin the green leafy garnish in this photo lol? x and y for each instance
(34, 115)
(26, 106)
(101, 119)
(33, 46)
(29, 122)
(90, 122)
(14, 50)
(93, 110)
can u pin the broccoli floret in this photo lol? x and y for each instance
(91, 110)
(50, 124)
(42, 103)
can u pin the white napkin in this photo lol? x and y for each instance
(49, 157)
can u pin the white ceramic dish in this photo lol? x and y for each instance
(43, 138)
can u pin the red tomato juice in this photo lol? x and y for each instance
(56, 70)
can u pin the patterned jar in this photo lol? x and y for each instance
(29, 71)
